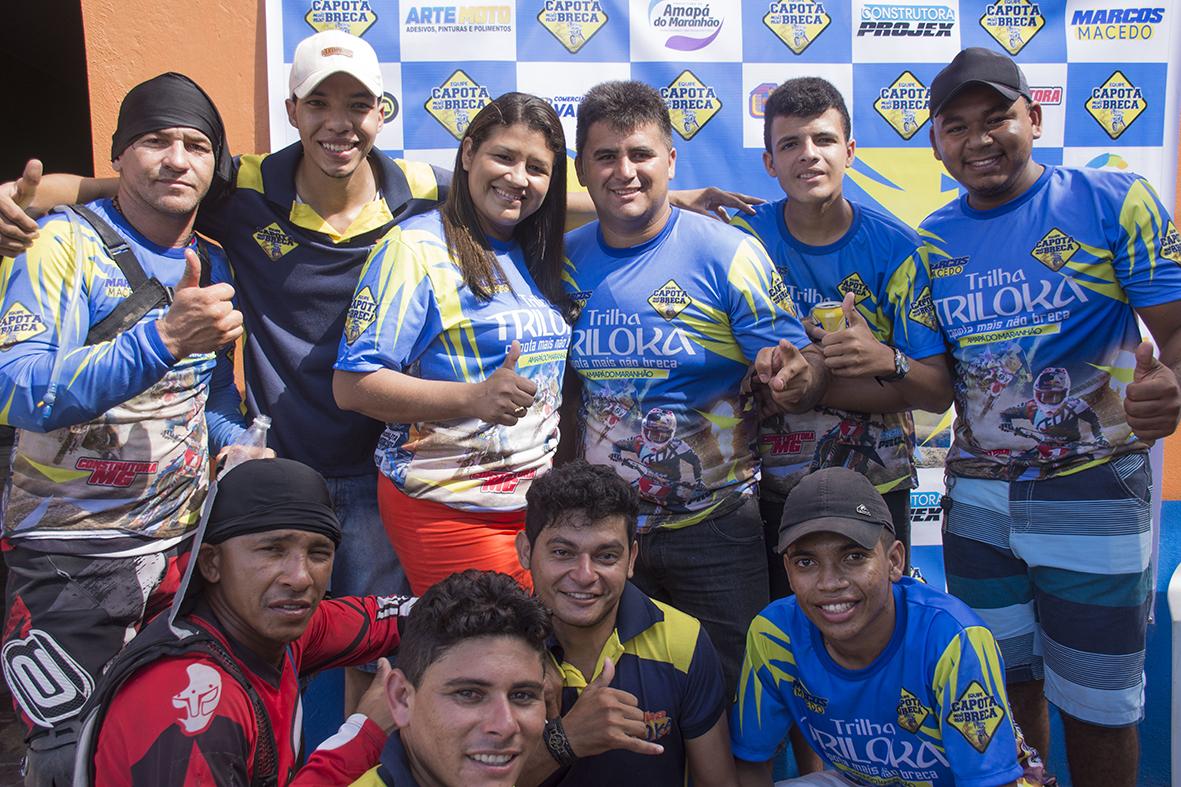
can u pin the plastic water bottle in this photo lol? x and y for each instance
(253, 443)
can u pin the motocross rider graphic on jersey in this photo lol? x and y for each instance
(1054, 416)
(661, 459)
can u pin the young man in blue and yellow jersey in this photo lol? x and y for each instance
(828, 248)
(641, 687)
(890, 680)
(673, 309)
(116, 408)
(1048, 527)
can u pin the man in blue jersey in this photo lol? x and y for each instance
(828, 248)
(641, 687)
(673, 309)
(890, 680)
(116, 409)
(1048, 522)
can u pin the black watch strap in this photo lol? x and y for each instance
(557, 744)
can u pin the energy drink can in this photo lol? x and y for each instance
(829, 315)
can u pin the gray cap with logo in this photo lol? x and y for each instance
(834, 500)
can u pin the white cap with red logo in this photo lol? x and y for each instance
(319, 56)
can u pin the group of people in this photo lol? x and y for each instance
(705, 491)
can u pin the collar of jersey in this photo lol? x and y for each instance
(278, 187)
(635, 615)
(396, 763)
(883, 658)
(1011, 205)
(106, 207)
(627, 252)
(804, 248)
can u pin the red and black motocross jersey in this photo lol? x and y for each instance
(185, 720)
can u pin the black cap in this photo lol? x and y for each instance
(834, 500)
(978, 66)
(256, 496)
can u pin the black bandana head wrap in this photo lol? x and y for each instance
(173, 101)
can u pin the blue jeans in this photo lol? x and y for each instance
(715, 571)
(366, 564)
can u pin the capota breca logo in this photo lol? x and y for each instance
(669, 299)
(455, 102)
(274, 241)
(1013, 23)
(796, 24)
(351, 16)
(691, 103)
(1055, 249)
(903, 104)
(1115, 104)
(362, 312)
(572, 22)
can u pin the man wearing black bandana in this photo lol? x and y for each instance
(209, 693)
(116, 409)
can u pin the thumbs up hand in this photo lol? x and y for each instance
(853, 351)
(504, 397)
(1152, 403)
(200, 319)
(17, 228)
(604, 719)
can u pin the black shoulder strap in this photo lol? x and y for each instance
(146, 293)
(158, 640)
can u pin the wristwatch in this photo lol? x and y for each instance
(557, 744)
(901, 368)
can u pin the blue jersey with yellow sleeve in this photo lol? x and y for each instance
(413, 313)
(877, 260)
(113, 442)
(294, 274)
(666, 331)
(930, 710)
(1036, 299)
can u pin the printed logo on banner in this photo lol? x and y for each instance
(455, 102)
(351, 16)
(389, 107)
(1107, 161)
(904, 104)
(475, 19)
(757, 102)
(1116, 24)
(691, 103)
(796, 24)
(1116, 104)
(572, 22)
(1047, 96)
(1170, 243)
(892, 19)
(691, 24)
(1013, 24)
(1055, 249)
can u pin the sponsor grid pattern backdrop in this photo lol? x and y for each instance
(1105, 72)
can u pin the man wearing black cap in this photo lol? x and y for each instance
(890, 680)
(1038, 274)
(209, 693)
(108, 370)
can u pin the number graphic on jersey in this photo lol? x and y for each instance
(47, 683)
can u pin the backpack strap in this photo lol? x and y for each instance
(146, 293)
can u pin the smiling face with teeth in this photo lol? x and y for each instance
(338, 122)
(986, 143)
(508, 176)
(809, 156)
(264, 587)
(846, 591)
(475, 715)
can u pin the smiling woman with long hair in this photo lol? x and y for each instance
(454, 340)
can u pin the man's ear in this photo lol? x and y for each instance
(896, 554)
(209, 562)
(290, 104)
(631, 563)
(400, 693)
(524, 549)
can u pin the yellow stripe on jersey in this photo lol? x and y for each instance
(370, 779)
(250, 172)
(1141, 219)
(671, 641)
(420, 177)
(986, 652)
(767, 646)
(1101, 272)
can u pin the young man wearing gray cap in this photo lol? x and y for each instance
(890, 680)
(1047, 534)
(109, 369)
(209, 693)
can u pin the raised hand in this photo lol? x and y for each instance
(783, 377)
(712, 201)
(504, 397)
(200, 319)
(853, 351)
(604, 719)
(17, 228)
(1152, 402)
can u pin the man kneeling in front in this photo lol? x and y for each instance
(890, 680)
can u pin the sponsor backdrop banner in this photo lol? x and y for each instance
(1105, 72)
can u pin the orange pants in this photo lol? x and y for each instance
(434, 541)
